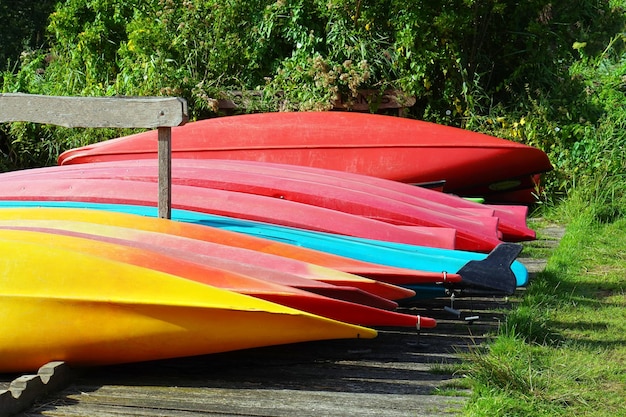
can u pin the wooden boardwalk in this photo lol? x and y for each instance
(396, 374)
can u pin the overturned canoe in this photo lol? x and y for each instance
(405, 150)
(205, 272)
(445, 264)
(272, 268)
(475, 229)
(143, 218)
(511, 219)
(226, 203)
(58, 304)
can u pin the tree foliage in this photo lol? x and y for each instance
(450, 54)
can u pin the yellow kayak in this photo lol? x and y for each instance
(135, 224)
(58, 304)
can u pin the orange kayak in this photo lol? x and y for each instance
(209, 274)
(59, 304)
(375, 271)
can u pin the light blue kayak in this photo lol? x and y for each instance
(386, 253)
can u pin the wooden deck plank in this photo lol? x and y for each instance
(390, 376)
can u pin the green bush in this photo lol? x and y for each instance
(582, 127)
(450, 54)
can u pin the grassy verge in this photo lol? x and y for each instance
(563, 349)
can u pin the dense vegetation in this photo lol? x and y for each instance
(23, 28)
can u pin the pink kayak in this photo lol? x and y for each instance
(399, 149)
(511, 219)
(473, 228)
(232, 204)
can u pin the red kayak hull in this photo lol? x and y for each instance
(404, 150)
(250, 175)
(232, 204)
(474, 228)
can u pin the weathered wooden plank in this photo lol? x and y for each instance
(26, 389)
(365, 99)
(117, 112)
(258, 402)
(388, 376)
(121, 112)
(390, 99)
(165, 172)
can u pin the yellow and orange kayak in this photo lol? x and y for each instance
(59, 304)
(196, 238)
(204, 271)
(376, 271)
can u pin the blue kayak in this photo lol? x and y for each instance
(386, 253)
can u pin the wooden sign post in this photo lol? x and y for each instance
(160, 113)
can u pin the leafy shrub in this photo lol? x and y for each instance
(449, 53)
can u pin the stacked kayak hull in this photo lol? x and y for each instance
(208, 273)
(475, 229)
(512, 219)
(225, 203)
(58, 304)
(143, 218)
(433, 260)
(285, 228)
(361, 143)
(277, 269)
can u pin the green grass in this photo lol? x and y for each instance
(446, 368)
(562, 351)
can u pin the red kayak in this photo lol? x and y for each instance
(511, 219)
(232, 204)
(474, 229)
(205, 272)
(404, 150)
